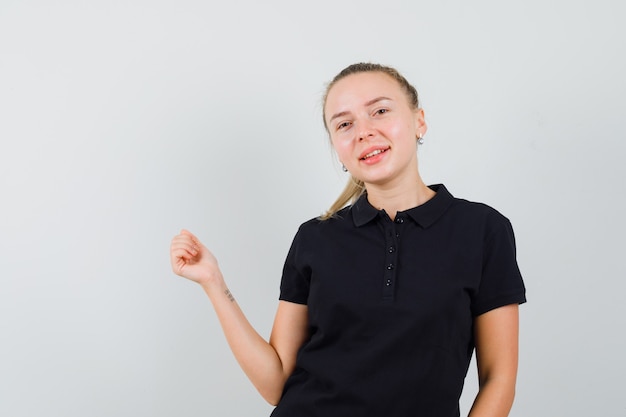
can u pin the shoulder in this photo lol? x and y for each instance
(475, 217)
(340, 218)
(316, 228)
(315, 234)
(478, 211)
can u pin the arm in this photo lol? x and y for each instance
(267, 365)
(496, 335)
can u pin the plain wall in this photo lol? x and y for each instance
(122, 122)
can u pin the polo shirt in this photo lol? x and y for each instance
(391, 305)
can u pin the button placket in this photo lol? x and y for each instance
(391, 256)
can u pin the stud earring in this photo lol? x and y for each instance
(420, 140)
(343, 168)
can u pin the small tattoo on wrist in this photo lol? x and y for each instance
(229, 295)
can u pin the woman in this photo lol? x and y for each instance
(382, 301)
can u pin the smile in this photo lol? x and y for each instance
(373, 153)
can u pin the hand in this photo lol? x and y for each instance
(192, 260)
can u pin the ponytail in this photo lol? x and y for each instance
(353, 190)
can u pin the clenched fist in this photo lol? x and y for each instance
(192, 260)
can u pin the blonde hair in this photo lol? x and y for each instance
(355, 188)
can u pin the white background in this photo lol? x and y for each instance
(122, 122)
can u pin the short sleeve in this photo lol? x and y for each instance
(501, 282)
(296, 279)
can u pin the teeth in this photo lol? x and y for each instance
(376, 152)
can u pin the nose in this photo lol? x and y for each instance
(365, 131)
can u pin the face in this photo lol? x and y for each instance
(373, 128)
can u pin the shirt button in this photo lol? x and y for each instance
(399, 220)
(390, 267)
(388, 283)
(392, 249)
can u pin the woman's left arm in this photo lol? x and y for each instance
(496, 336)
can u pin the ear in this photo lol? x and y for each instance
(420, 123)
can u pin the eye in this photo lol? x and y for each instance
(343, 125)
(382, 111)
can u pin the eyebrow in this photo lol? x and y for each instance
(369, 103)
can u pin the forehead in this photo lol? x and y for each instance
(359, 88)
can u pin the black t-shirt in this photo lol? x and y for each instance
(391, 306)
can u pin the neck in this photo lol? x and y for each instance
(399, 197)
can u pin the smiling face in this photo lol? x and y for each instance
(374, 128)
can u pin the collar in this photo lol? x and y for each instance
(425, 214)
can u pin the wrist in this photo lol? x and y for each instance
(219, 294)
(214, 284)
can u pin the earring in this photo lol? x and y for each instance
(420, 140)
(343, 168)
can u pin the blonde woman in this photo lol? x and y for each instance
(385, 297)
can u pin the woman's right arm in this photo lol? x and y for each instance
(267, 365)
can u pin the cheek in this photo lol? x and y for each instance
(404, 133)
(400, 130)
(342, 148)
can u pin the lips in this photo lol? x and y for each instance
(369, 153)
